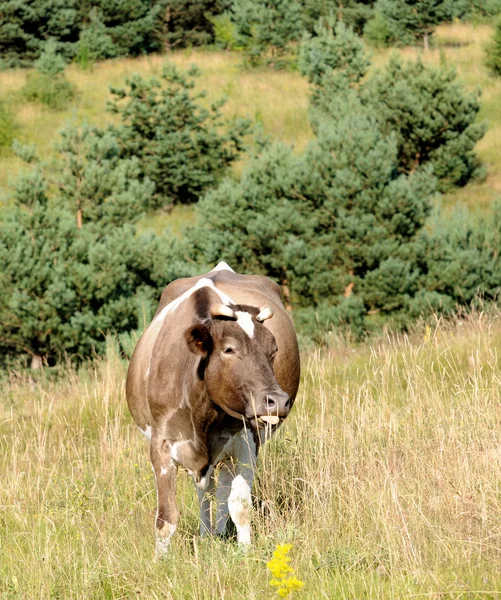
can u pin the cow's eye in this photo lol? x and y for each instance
(229, 350)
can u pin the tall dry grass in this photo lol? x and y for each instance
(386, 478)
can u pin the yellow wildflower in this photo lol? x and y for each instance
(283, 574)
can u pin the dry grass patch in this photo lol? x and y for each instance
(386, 478)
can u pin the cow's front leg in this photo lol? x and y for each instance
(165, 476)
(240, 499)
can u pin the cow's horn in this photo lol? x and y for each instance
(264, 313)
(221, 310)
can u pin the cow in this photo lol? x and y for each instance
(213, 376)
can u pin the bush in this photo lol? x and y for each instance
(433, 116)
(377, 31)
(334, 48)
(266, 26)
(493, 52)
(8, 128)
(54, 92)
(133, 26)
(73, 265)
(48, 84)
(225, 32)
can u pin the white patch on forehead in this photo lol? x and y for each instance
(201, 283)
(244, 319)
(163, 471)
(146, 432)
(222, 266)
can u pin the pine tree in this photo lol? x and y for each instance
(413, 20)
(266, 26)
(130, 27)
(332, 60)
(73, 267)
(335, 227)
(433, 116)
(182, 146)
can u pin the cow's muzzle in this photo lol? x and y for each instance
(271, 406)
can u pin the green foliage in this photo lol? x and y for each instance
(8, 128)
(63, 287)
(129, 27)
(26, 25)
(266, 26)
(336, 222)
(192, 22)
(74, 266)
(475, 9)
(459, 258)
(410, 21)
(433, 116)
(353, 13)
(95, 42)
(182, 146)
(377, 31)
(225, 32)
(493, 51)
(334, 57)
(48, 83)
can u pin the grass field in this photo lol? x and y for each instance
(278, 99)
(386, 479)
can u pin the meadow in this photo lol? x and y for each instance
(386, 478)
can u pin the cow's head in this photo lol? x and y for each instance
(237, 353)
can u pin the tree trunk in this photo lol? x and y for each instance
(426, 42)
(36, 362)
(79, 218)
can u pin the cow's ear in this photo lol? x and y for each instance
(199, 340)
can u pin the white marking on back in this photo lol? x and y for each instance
(244, 319)
(204, 282)
(222, 266)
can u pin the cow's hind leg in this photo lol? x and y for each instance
(224, 481)
(167, 511)
(205, 500)
(240, 499)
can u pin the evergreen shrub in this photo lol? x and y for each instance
(266, 27)
(377, 31)
(181, 145)
(48, 83)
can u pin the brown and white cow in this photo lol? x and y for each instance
(216, 369)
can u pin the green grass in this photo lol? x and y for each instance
(277, 99)
(386, 479)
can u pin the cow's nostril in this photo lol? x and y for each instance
(270, 403)
(288, 403)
